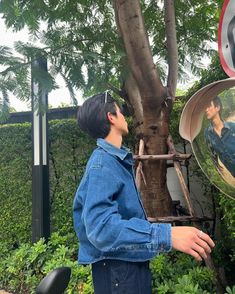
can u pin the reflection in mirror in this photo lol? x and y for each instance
(214, 146)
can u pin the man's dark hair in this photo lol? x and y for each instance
(92, 115)
(217, 103)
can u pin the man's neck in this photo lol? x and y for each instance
(218, 124)
(114, 139)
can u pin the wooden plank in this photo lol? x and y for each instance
(184, 218)
(178, 157)
(139, 171)
(181, 178)
(184, 188)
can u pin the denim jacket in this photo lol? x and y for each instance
(109, 218)
(222, 146)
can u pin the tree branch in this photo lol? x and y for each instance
(131, 26)
(171, 46)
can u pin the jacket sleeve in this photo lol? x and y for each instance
(105, 227)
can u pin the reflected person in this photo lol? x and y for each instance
(220, 139)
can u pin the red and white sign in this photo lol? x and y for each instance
(226, 40)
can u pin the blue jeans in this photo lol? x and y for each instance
(121, 277)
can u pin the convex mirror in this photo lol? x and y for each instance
(208, 123)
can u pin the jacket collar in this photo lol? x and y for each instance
(226, 126)
(113, 150)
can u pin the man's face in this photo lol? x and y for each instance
(212, 111)
(120, 122)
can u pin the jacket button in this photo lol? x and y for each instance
(116, 284)
(104, 264)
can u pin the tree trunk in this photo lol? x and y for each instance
(155, 194)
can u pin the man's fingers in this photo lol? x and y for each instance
(194, 254)
(192, 241)
(204, 245)
(206, 238)
(200, 250)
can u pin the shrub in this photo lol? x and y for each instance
(68, 152)
(179, 273)
(15, 182)
(22, 269)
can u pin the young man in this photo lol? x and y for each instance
(109, 218)
(220, 139)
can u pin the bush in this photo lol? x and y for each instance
(69, 150)
(225, 251)
(22, 269)
(15, 182)
(179, 273)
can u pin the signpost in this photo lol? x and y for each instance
(226, 37)
(40, 169)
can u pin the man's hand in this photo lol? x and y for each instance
(192, 241)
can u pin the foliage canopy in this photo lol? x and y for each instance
(81, 42)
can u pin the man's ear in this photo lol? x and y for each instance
(110, 117)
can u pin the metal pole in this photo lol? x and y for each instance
(40, 168)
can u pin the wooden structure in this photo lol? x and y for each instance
(178, 159)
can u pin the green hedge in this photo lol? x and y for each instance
(69, 150)
(15, 183)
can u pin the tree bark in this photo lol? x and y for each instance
(171, 46)
(134, 99)
(132, 30)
